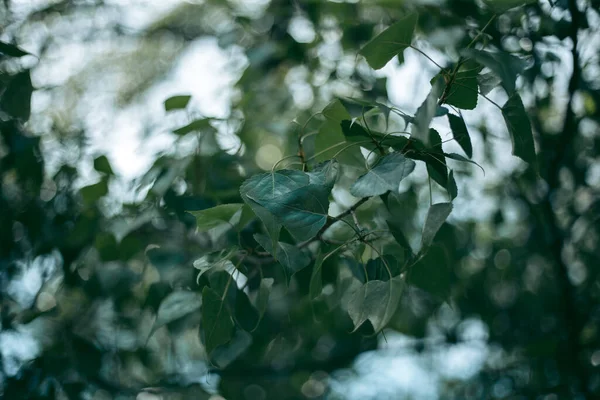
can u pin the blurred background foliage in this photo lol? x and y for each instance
(95, 179)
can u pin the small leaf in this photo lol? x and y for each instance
(16, 99)
(216, 320)
(324, 174)
(436, 216)
(385, 176)
(460, 133)
(426, 112)
(177, 102)
(12, 50)
(519, 128)
(458, 157)
(176, 305)
(452, 188)
(488, 82)
(375, 301)
(391, 42)
(316, 279)
(262, 297)
(215, 216)
(504, 65)
(289, 256)
(197, 125)
(500, 6)
(102, 165)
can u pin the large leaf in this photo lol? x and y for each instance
(391, 42)
(385, 176)
(177, 102)
(303, 211)
(436, 216)
(267, 186)
(426, 112)
(504, 65)
(215, 216)
(460, 133)
(176, 305)
(16, 99)
(216, 320)
(431, 273)
(289, 256)
(375, 301)
(519, 128)
(463, 90)
(331, 142)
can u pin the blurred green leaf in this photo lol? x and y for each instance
(16, 99)
(519, 128)
(177, 102)
(316, 279)
(215, 216)
(506, 66)
(426, 112)
(431, 273)
(385, 176)
(176, 305)
(92, 193)
(500, 6)
(216, 320)
(12, 50)
(391, 42)
(102, 165)
(452, 188)
(196, 125)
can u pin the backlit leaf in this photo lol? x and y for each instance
(391, 42)
(519, 128)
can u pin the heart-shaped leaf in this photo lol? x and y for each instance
(391, 42)
(385, 176)
(375, 301)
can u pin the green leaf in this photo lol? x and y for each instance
(177, 102)
(385, 176)
(216, 320)
(316, 279)
(196, 125)
(303, 211)
(396, 231)
(377, 268)
(331, 142)
(426, 112)
(324, 174)
(519, 128)
(504, 65)
(431, 273)
(215, 216)
(16, 99)
(176, 305)
(463, 92)
(375, 301)
(102, 165)
(460, 133)
(391, 42)
(458, 157)
(289, 256)
(452, 188)
(93, 193)
(500, 6)
(336, 112)
(246, 316)
(436, 216)
(224, 355)
(354, 133)
(246, 216)
(262, 297)
(487, 82)
(12, 50)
